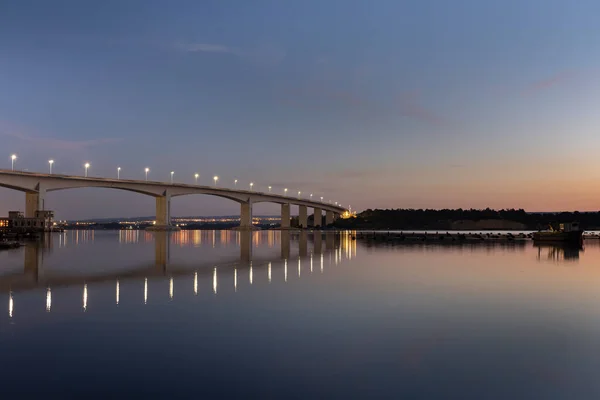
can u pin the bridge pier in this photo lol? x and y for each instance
(302, 216)
(163, 214)
(329, 217)
(318, 218)
(285, 216)
(246, 216)
(34, 201)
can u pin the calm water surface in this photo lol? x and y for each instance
(288, 315)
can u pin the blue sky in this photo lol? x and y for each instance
(369, 103)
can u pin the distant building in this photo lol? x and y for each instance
(16, 221)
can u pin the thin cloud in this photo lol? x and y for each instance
(59, 144)
(407, 105)
(265, 54)
(547, 83)
(207, 48)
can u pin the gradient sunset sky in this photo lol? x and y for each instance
(374, 104)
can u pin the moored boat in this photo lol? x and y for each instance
(566, 233)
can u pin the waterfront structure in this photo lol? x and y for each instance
(42, 220)
(37, 185)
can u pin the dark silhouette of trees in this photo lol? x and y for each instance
(442, 219)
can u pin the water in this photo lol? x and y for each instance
(271, 315)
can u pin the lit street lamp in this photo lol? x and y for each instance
(196, 177)
(146, 171)
(87, 166)
(299, 192)
(215, 178)
(50, 162)
(172, 173)
(118, 172)
(251, 184)
(285, 191)
(321, 199)
(12, 161)
(235, 183)
(269, 189)
(311, 196)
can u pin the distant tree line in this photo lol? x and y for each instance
(419, 219)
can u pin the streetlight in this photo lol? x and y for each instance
(172, 173)
(146, 171)
(285, 191)
(235, 183)
(299, 193)
(196, 177)
(269, 189)
(215, 178)
(321, 199)
(86, 165)
(311, 196)
(50, 162)
(12, 161)
(118, 172)
(251, 184)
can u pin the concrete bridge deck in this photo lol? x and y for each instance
(37, 185)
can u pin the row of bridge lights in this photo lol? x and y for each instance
(87, 165)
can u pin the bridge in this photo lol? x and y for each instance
(37, 185)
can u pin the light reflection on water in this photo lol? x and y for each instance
(501, 320)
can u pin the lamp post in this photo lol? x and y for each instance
(87, 166)
(285, 191)
(196, 176)
(269, 189)
(299, 192)
(50, 162)
(172, 173)
(311, 196)
(235, 183)
(118, 172)
(12, 161)
(321, 199)
(146, 171)
(215, 178)
(251, 184)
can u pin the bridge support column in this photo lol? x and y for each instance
(163, 214)
(163, 210)
(328, 217)
(302, 216)
(318, 218)
(246, 216)
(285, 216)
(33, 202)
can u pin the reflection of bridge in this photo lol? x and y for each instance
(37, 185)
(336, 246)
(34, 275)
